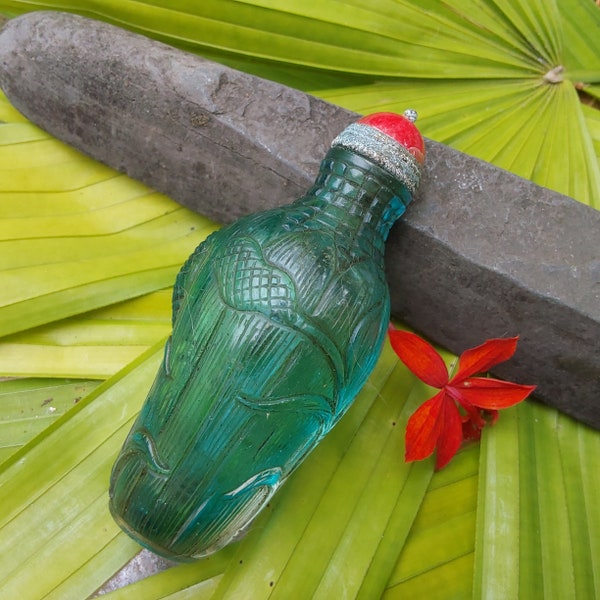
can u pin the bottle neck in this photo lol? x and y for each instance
(355, 197)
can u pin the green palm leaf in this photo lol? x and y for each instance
(56, 495)
(87, 255)
(437, 560)
(95, 345)
(76, 235)
(537, 502)
(29, 406)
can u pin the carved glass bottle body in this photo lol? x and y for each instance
(278, 320)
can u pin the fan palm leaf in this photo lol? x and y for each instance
(88, 256)
(95, 345)
(28, 406)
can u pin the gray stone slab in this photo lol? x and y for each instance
(142, 565)
(220, 141)
(481, 253)
(491, 255)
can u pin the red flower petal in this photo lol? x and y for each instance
(473, 413)
(493, 415)
(423, 428)
(471, 431)
(482, 358)
(451, 435)
(420, 357)
(492, 394)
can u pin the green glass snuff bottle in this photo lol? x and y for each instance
(278, 320)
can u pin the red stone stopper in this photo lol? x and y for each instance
(390, 141)
(400, 128)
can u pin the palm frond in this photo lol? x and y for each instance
(437, 560)
(537, 131)
(75, 235)
(28, 406)
(94, 345)
(87, 257)
(538, 526)
(55, 495)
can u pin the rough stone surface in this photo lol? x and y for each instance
(142, 565)
(220, 141)
(481, 253)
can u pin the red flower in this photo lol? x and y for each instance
(458, 411)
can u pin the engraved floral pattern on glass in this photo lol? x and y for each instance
(278, 320)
